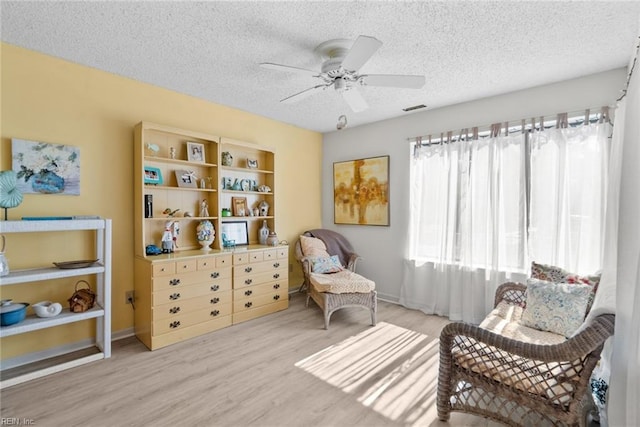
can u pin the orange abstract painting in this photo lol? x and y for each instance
(361, 191)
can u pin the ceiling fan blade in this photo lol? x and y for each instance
(393, 80)
(363, 48)
(301, 95)
(289, 68)
(355, 100)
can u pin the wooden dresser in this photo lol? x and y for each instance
(181, 296)
(260, 282)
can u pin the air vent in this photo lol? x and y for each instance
(415, 107)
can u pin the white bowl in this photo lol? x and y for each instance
(47, 308)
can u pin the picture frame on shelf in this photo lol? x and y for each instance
(186, 179)
(252, 163)
(152, 175)
(237, 231)
(239, 206)
(195, 152)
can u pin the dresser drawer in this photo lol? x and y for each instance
(257, 290)
(256, 256)
(225, 260)
(164, 326)
(263, 267)
(257, 279)
(240, 258)
(270, 254)
(175, 281)
(186, 266)
(167, 296)
(185, 306)
(282, 252)
(260, 300)
(163, 268)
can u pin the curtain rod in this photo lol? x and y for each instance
(574, 118)
(633, 66)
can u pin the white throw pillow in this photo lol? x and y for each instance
(313, 247)
(555, 307)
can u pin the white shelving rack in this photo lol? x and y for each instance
(101, 311)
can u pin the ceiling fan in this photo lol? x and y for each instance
(342, 60)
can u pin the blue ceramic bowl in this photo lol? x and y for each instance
(13, 313)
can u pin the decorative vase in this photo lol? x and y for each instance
(227, 159)
(206, 234)
(272, 240)
(263, 233)
(47, 182)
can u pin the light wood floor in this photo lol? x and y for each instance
(270, 371)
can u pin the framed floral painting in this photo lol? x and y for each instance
(361, 191)
(46, 168)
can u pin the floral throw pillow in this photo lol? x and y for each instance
(326, 265)
(552, 273)
(555, 307)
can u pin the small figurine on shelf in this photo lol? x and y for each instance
(172, 152)
(176, 232)
(167, 238)
(204, 208)
(170, 213)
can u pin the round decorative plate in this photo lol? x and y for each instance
(75, 264)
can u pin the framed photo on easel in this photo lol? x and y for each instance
(239, 205)
(195, 152)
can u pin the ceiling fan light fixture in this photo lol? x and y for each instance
(342, 122)
(342, 60)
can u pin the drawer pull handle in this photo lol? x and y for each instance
(174, 296)
(247, 293)
(248, 304)
(276, 264)
(214, 313)
(248, 281)
(215, 287)
(276, 297)
(248, 269)
(184, 266)
(215, 300)
(174, 282)
(277, 275)
(276, 286)
(174, 310)
(215, 275)
(174, 324)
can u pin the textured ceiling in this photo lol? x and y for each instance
(211, 50)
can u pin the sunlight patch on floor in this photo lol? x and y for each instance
(390, 369)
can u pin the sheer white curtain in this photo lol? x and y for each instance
(569, 171)
(623, 408)
(471, 228)
(466, 225)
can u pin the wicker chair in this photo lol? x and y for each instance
(329, 302)
(515, 382)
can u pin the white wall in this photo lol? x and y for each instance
(383, 247)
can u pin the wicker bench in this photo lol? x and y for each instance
(507, 372)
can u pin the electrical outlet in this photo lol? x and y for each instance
(129, 297)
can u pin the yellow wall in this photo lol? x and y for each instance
(51, 100)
